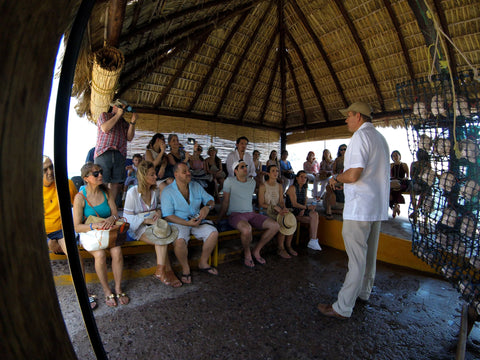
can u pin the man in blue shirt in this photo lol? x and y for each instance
(181, 203)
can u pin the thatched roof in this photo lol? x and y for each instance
(282, 65)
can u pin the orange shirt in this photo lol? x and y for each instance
(53, 221)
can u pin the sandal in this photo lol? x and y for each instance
(110, 300)
(92, 299)
(123, 296)
(283, 254)
(186, 278)
(291, 251)
(172, 280)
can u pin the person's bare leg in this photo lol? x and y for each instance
(288, 245)
(271, 228)
(246, 238)
(207, 249)
(313, 224)
(180, 248)
(101, 270)
(117, 269)
(281, 246)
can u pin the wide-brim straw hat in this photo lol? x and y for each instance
(161, 233)
(288, 223)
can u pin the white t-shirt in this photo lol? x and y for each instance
(367, 198)
(235, 156)
(240, 194)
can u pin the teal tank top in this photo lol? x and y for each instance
(103, 210)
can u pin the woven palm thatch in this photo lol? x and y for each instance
(107, 66)
(284, 65)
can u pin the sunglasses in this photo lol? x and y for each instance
(45, 169)
(96, 173)
(343, 149)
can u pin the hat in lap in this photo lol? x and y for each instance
(161, 233)
(288, 223)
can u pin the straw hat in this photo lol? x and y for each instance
(161, 233)
(288, 223)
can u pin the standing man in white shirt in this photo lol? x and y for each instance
(240, 154)
(366, 186)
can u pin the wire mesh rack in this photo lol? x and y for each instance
(442, 118)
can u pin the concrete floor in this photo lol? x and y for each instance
(270, 313)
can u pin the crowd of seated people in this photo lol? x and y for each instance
(169, 197)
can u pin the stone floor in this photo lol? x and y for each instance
(270, 313)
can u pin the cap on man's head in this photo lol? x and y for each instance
(119, 103)
(358, 107)
(235, 165)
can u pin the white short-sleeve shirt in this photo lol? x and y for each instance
(367, 198)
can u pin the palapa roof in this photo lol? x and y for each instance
(282, 65)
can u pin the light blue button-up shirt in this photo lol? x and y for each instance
(173, 202)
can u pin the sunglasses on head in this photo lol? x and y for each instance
(96, 173)
(45, 169)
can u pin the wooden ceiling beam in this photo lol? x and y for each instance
(257, 75)
(270, 88)
(444, 26)
(297, 90)
(222, 120)
(323, 54)
(241, 60)
(363, 52)
(181, 68)
(282, 50)
(191, 28)
(215, 62)
(306, 68)
(116, 16)
(141, 30)
(396, 25)
(135, 16)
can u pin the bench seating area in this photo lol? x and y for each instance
(140, 247)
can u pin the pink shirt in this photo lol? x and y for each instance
(115, 139)
(311, 168)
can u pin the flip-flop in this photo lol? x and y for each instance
(209, 270)
(188, 278)
(249, 263)
(92, 299)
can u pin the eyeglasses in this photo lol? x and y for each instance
(243, 167)
(45, 169)
(96, 173)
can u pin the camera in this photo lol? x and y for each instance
(128, 108)
(191, 141)
(195, 217)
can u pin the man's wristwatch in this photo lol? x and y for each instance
(335, 178)
(132, 123)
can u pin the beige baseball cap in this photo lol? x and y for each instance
(358, 107)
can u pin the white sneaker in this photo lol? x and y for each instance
(314, 245)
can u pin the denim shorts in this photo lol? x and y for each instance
(113, 166)
(56, 235)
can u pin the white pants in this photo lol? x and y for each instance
(361, 243)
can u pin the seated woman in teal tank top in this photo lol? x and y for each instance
(94, 200)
